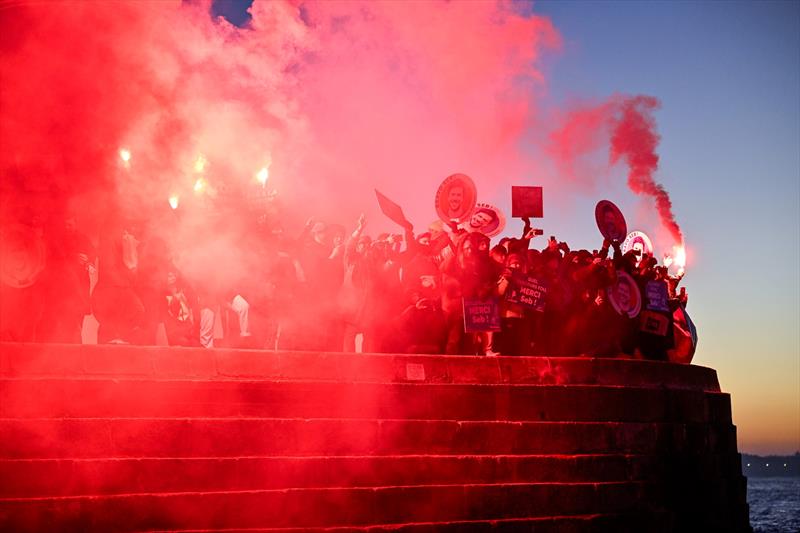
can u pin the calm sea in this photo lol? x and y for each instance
(774, 504)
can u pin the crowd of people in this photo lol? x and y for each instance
(332, 288)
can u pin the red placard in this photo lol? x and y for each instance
(391, 209)
(526, 202)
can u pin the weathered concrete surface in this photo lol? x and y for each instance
(120, 438)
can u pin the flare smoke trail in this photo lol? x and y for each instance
(635, 140)
(625, 124)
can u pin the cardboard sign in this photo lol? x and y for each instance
(391, 209)
(455, 198)
(657, 296)
(526, 202)
(481, 315)
(610, 221)
(637, 240)
(624, 296)
(486, 219)
(22, 256)
(653, 323)
(528, 292)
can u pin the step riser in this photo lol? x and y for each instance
(66, 477)
(29, 360)
(330, 507)
(39, 478)
(128, 399)
(82, 438)
(638, 522)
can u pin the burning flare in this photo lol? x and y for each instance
(125, 155)
(263, 176)
(200, 185)
(173, 201)
(200, 164)
(679, 256)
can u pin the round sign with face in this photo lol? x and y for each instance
(624, 295)
(455, 198)
(22, 256)
(638, 241)
(486, 219)
(610, 221)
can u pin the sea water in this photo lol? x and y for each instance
(774, 504)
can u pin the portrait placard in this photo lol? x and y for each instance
(637, 240)
(527, 291)
(486, 219)
(455, 198)
(624, 295)
(610, 221)
(526, 202)
(481, 315)
(22, 256)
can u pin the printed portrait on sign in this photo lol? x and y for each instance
(610, 221)
(22, 256)
(624, 295)
(455, 198)
(638, 241)
(485, 219)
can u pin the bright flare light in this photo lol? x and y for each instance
(125, 155)
(173, 201)
(200, 164)
(200, 185)
(263, 176)
(679, 254)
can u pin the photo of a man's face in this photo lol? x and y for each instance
(624, 296)
(610, 221)
(480, 219)
(455, 198)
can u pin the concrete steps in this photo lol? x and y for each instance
(50, 438)
(40, 360)
(332, 506)
(120, 438)
(126, 398)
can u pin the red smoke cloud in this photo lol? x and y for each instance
(338, 97)
(627, 126)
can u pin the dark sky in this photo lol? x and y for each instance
(235, 11)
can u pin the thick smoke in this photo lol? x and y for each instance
(625, 124)
(334, 98)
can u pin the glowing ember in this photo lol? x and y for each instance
(125, 155)
(263, 176)
(173, 201)
(200, 165)
(200, 185)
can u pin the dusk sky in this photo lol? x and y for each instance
(336, 100)
(728, 77)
